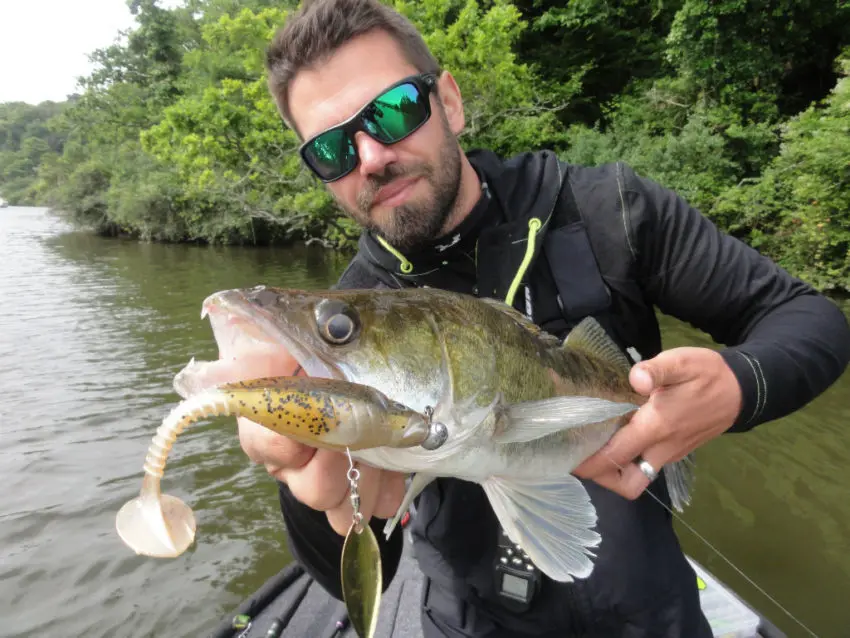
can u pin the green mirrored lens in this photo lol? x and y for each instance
(331, 153)
(396, 113)
(389, 118)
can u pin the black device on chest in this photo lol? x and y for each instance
(517, 579)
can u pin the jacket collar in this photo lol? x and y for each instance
(513, 192)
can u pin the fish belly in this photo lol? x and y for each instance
(555, 455)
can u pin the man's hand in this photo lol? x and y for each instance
(317, 477)
(693, 398)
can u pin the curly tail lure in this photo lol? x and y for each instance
(319, 412)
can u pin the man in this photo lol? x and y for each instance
(380, 121)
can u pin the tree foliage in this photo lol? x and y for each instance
(798, 210)
(740, 105)
(27, 137)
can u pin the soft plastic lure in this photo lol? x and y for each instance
(324, 413)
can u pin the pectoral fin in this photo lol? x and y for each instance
(531, 420)
(551, 520)
(419, 482)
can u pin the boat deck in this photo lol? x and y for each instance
(306, 610)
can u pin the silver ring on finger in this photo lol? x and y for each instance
(650, 472)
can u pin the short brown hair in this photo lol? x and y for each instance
(320, 27)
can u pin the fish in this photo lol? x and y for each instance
(508, 406)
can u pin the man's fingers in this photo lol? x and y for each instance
(321, 484)
(633, 480)
(630, 482)
(381, 493)
(276, 452)
(641, 380)
(368, 486)
(390, 495)
(610, 480)
(671, 367)
(629, 441)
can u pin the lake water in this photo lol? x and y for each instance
(92, 332)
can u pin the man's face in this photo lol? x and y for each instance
(407, 190)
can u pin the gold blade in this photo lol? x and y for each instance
(362, 579)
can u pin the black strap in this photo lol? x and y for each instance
(581, 289)
(566, 210)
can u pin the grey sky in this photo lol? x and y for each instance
(44, 44)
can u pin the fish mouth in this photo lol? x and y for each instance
(251, 345)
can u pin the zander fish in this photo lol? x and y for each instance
(516, 409)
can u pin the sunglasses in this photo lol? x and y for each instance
(392, 116)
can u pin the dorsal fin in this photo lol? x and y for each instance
(519, 318)
(590, 336)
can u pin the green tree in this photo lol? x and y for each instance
(26, 138)
(599, 46)
(798, 211)
(762, 57)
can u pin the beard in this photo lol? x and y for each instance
(414, 223)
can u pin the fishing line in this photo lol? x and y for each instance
(727, 560)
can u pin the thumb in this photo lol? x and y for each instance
(667, 368)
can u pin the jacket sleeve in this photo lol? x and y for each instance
(785, 343)
(311, 539)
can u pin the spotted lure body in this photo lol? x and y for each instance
(324, 413)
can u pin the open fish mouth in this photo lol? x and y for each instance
(251, 345)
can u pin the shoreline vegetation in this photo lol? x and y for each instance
(743, 107)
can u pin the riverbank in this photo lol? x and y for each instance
(346, 248)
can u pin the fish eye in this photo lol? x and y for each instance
(338, 328)
(338, 324)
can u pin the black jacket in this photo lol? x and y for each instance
(616, 246)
